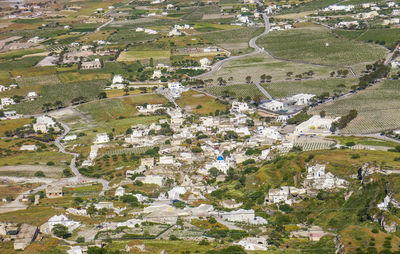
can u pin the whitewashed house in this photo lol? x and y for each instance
(101, 138)
(43, 124)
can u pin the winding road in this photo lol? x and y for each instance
(78, 176)
(252, 44)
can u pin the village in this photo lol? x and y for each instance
(199, 126)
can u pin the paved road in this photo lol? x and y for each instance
(105, 24)
(252, 44)
(17, 204)
(78, 176)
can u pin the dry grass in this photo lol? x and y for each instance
(192, 100)
(10, 125)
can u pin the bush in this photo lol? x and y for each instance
(80, 239)
(375, 231)
(350, 144)
(60, 231)
(67, 172)
(50, 163)
(355, 156)
(39, 174)
(173, 238)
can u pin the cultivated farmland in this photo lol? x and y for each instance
(378, 108)
(255, 66)
(318, 45)
(133, 55)
(317, 87)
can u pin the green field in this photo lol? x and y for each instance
(317, 45)
(388, 36)
(378, 108)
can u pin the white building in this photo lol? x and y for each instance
(70, 137)
(101, 138)
(272, 105)
(339, 8)
(254, 243)
(319, 179)
(7, 101)
(239, 107)
(315, 126)
(205, 62)
(176, 192)
(302, 98)
(120, 191)
(28, 148)
(43, 124)
(63, 220)
(166, 160)
(152, 179)
(241, 215)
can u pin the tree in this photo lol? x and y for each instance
(39, 174)
(257, 99)
(126, 90)
(59, 104)
(248, 79)
(332, 74)
(60, 231)
(289, 74)
(46, 107)
(102, 95)
(263, 77)
(80, 239)
(67, 172)
(269, 78)
(221, 81)
(91, 210)
(214, 172)
(322, 113)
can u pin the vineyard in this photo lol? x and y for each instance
(38, 80)
(377, 107)
(134, 150)
(317, 87)
(318, 45)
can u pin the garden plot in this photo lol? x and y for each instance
(377, 107)
(317, 45)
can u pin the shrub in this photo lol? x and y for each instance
(39, 174)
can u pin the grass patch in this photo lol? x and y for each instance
(10, 125)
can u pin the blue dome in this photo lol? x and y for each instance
(220, 158)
